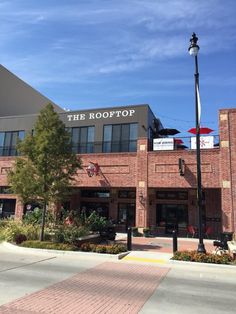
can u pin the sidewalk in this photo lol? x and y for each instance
(149, 284)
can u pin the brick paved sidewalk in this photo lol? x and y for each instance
(106, 288)
(165, 245)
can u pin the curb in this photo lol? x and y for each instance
(60, 252)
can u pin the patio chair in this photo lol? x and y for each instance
(208, 232)
(191, 231)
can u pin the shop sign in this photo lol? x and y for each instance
(205, 142)
(101, 115)
(163, 143)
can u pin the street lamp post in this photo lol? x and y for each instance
(193, 50)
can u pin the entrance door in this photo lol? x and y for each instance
(126, 214)
(172, 216)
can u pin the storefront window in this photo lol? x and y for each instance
(127, 194)
(95, 193)
(175, 215)
(172, 195)
(126, 214)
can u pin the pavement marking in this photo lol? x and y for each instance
(111, 288)
(143, 259)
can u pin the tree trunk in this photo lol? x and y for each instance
(43, 221)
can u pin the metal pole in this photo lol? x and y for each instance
(175, 243)
(201, 247)
(129, 239)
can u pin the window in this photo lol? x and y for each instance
(120, 138)
(126, 214)
(8, 142)
(82, 139)
(172, 214)
(126, 194)
(95, 193)
(172, 195)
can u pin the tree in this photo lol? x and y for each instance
(46, 170)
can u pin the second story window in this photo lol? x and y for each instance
(82, 140)
(8, 142)
(120, 138)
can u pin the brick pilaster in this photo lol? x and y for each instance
(142, 207)
(227, 132)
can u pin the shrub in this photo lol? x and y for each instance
(12, 229)
(95, 223)
(135, 232)
(35, 217)
(146, 232)
(49, 245)
(15, 228)
(116, 249)
(19, 238)
(194, 256)
(98, 248)
(69, 234)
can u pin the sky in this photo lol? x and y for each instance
(85, 54)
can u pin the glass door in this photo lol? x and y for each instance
(172, 216)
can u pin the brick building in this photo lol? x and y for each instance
(138, 180)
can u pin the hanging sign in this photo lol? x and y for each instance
(205, 142)
(163, 143)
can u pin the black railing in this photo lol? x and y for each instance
(188, 143)
(8, 151)
(180, 143)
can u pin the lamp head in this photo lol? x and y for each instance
(193, 48)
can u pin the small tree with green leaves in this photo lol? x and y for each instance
(46, 170)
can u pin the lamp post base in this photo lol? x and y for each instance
(201, 248)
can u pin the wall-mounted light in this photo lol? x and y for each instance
(181, 167)
(141, 198)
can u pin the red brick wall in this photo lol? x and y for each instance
(227, 132)
(163, 169)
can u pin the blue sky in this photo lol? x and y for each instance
(101, 53)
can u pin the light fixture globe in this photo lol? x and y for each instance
(193, 48)
(193, 51)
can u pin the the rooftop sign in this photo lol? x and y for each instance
(101, 115)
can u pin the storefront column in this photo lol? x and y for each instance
(142, 201)
(227, 133)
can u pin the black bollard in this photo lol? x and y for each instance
(175, 244)
(129, 239)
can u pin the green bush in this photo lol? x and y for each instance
(95, 223)
(99, 248)
(69, 234)
(135, 232)
(146, 232)
(49, 245)
(35, 217)
(194, 256)
(12, 229)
